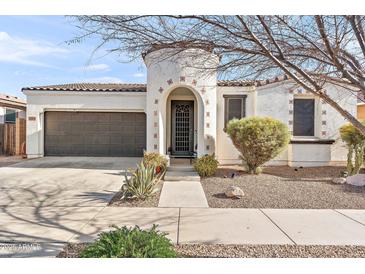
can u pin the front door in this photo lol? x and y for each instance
(182, 125)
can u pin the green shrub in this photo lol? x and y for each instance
(142, 183)
(355, 143)
(206, 165)
(155, 159)
(258, 139)
(130, 243)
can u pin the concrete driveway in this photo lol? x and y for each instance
(47, 202)
(50, 199)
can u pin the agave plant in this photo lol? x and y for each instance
(142, 183)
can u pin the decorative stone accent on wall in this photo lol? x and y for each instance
(208, 114)
(207, 147)
(208, 125)
(194, 82)
(170, 82)
(207, 102)
(291, 111)
(160, 90)
(155, 113)
(156, 101)
(182, 78)
(155, 135)
(155, 124)
(324, 120)
(203, 91)
(155, 146)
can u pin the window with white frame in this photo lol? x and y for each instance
(303, 120)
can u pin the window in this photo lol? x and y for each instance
(235, 107)
(10, 116)
(303, 117)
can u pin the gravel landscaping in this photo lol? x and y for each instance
(283, 187)
(248, 251)
(150, 202)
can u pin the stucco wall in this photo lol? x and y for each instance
(169, 69)
(276, 100)
(226, 153)
(334, 119)
(2, 115)
(39, 102)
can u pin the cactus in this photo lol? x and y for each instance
(355, 143)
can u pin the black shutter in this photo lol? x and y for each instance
(303, 117)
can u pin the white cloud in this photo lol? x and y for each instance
(96, 67)
(138, 75)
(27, 51)
(105, 79)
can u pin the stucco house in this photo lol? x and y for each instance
(181, 111)
(12, 125)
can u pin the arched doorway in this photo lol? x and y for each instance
(181, 123)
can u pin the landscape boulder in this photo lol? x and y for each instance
(356, 180)
(234, 192)
(340, 180)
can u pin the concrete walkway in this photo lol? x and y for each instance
(182, 188)
(182, 194)
(183, 225)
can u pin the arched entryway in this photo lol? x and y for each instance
(182, 123)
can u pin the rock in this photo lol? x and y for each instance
(356, 180)
(340, 180)
(234, 192)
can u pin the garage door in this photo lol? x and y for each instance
(94, 134)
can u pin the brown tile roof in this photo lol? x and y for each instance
(235, 83)
(258, 83)
(11, 101)
(92, 87)
(97, 87)
(280, 78)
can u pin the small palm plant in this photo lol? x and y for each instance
(142, 183)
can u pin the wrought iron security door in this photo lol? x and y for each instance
(182, 125)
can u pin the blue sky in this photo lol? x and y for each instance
(33, 52)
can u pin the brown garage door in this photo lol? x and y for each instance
(94, 134)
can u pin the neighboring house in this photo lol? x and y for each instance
(181, 112)
(12, 125)
(360, 106)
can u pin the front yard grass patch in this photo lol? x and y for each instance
(283, 187)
